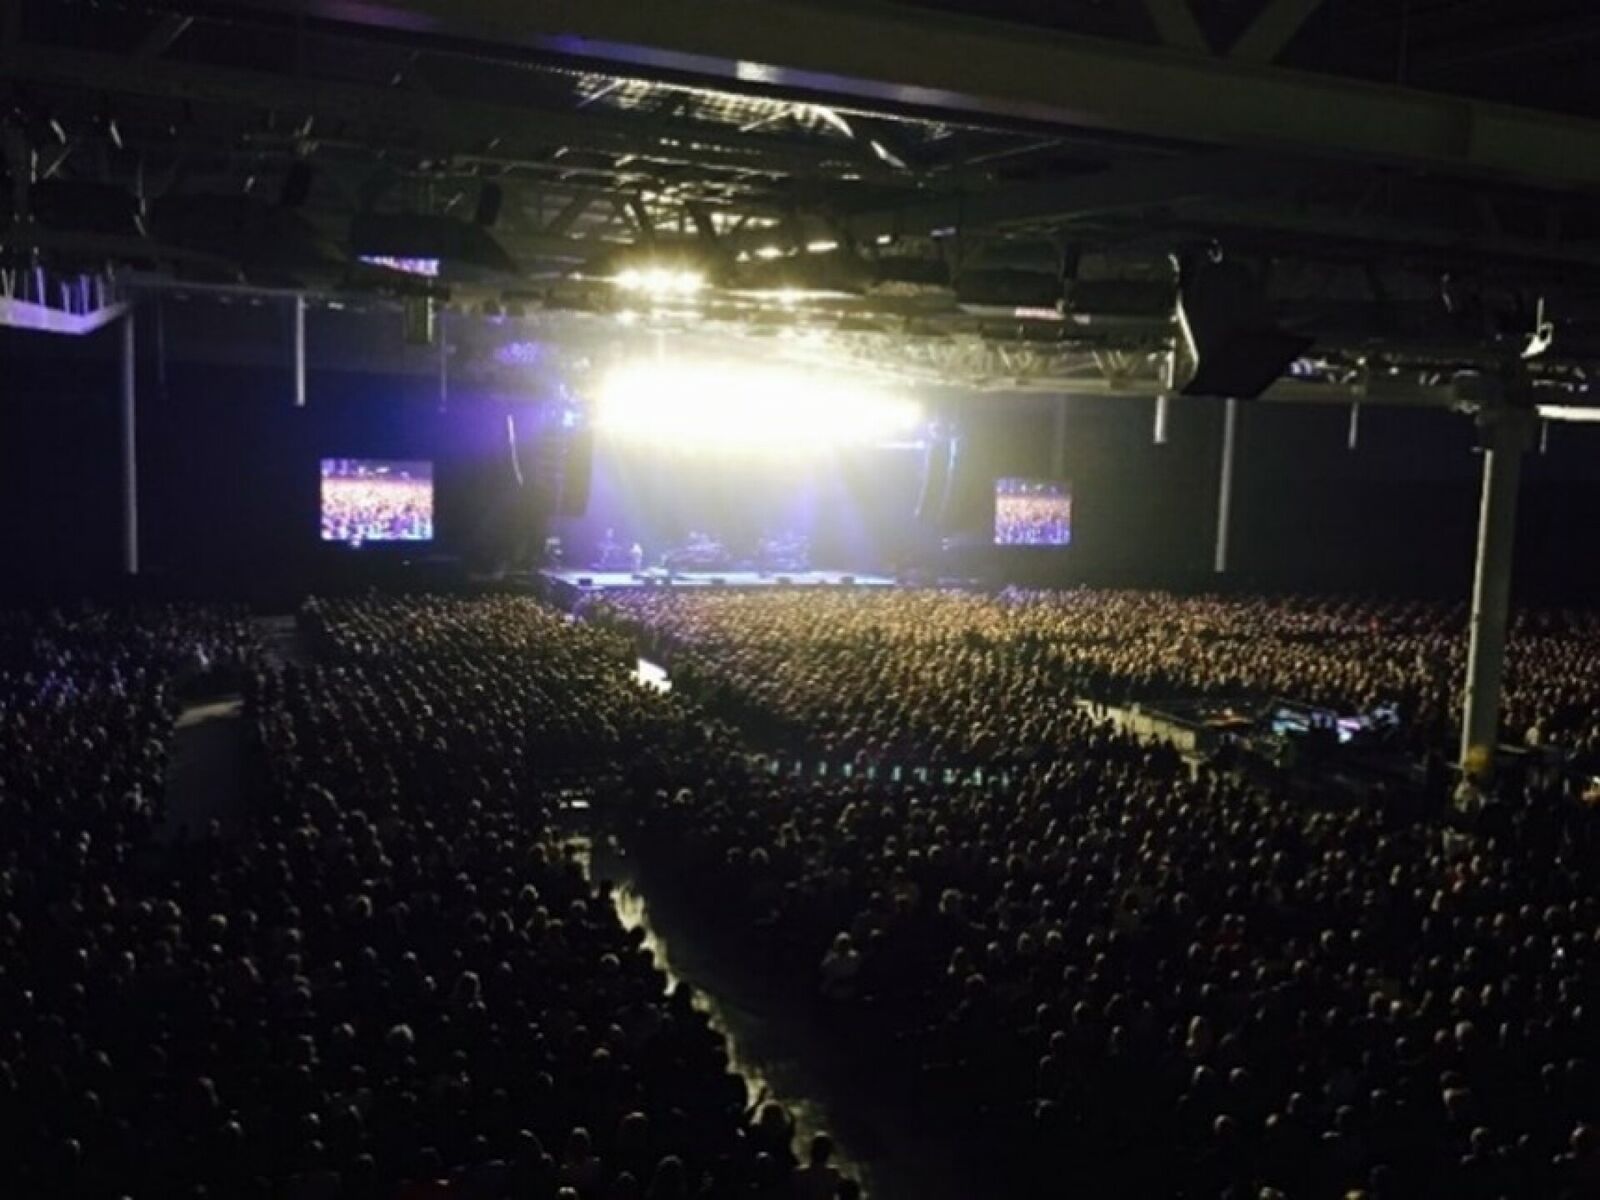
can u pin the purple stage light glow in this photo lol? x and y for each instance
(520, 354)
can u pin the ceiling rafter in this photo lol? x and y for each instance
(1274, 27)
(1176, 25)
(167, 29)
(386, 112)
(893, 55)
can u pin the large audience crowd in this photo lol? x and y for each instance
(1115, 973)
(399, 982)
(1088, 965)
(852, 672)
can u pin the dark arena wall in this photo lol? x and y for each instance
(228, 477)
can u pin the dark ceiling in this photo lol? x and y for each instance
(1538, 53)
(250, 137)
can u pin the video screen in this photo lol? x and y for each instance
(1032, 512)
(376, 500)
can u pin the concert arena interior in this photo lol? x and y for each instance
(799, 600)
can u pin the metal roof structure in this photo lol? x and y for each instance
(996, 189)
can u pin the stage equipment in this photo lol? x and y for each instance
(490, 199)
(1229, 331)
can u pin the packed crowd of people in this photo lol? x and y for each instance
(1083, 963)
(966, 673)
(399, 982)
(1111, 972)
(87, 700)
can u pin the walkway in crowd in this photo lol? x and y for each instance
(774, 1043)
(205, 772)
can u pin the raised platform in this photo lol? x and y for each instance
(574, 581)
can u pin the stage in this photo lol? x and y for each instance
(567, 584)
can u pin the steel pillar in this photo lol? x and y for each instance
(1505, 434)
(299, 351)
(130, 452)
(1230, 429)
(1163, 413)
(444, 366)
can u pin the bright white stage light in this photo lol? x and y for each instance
(660, 282)
(729, 407)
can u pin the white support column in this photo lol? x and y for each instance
(1230, 427)
(130, 452)
(1163, 414)
(1353, 436)
(299, 350)
(1506, 433)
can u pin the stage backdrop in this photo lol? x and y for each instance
(229, 477)
(854, 506)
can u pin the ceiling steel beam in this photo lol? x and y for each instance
(391, 114)
(1273, 29)
(1126, 186)
(1419, 241)
(1176, 26)
(897, 55)
(167, 30)
(1518, 42)
(564, 220)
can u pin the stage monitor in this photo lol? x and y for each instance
(376, 500)
(1032, 512)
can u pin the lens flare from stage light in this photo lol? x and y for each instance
(730, 407)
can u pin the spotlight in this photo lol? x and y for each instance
(661, 282)
(735, 407)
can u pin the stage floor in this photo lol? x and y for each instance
(599, 581)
